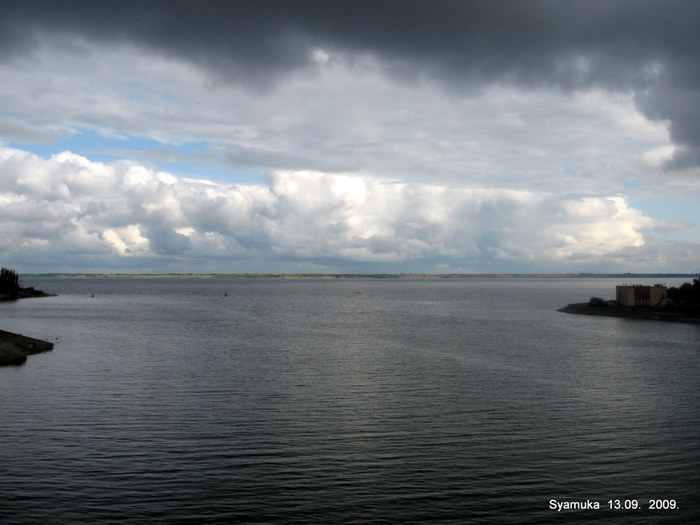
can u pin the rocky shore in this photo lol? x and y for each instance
(14, 348)
(25, 293)
(615, 310)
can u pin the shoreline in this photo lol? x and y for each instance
(15, 348)
(358, 276)
(629, 312)
(26, 293)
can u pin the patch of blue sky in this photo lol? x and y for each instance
(100, 148)
(89, 144)
(211, 172)
(676, 211)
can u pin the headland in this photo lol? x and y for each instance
(637, 301)
(24, 293)
(14, 348)
(612, 309)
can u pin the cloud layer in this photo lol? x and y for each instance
(126, 212)
(405, 135)
(647, 47)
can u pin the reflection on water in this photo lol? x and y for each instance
(363, 401)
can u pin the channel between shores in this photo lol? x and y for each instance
(15, 348)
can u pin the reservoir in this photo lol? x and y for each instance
(345, 401)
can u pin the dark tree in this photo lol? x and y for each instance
(597, 302)
(9, 282)
(686, 294)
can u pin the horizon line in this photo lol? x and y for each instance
(243, 275)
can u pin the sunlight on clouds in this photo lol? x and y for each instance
(116, 241)
(655, 158)
(126, 240)
(384, 148)
(304, 215)
(597, 226)
(417, 131)
(32, 244)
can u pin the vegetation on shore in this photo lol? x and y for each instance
(11, 289)
(683, 305)
(14, 348)
(597, 302)
(613, 309)
(686, 295)
(9, 283)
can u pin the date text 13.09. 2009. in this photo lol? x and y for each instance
(613, 504)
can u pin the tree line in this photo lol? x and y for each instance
(687, 294)
(9, 282)
(684, 297)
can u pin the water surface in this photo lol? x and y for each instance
(349, 401)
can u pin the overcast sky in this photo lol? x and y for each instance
(350, 136)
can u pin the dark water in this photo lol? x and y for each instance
(363, 401)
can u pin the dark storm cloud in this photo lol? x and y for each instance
(646, 46)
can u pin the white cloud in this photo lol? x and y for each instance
(655, 158)
(361, 167)
(137, 213)
(127, 240)
(343, 114)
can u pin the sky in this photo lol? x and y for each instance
(350, 136)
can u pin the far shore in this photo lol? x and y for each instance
(360, 275)
(616, 310)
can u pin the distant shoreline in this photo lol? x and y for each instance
(629, 312)
(359, 276)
